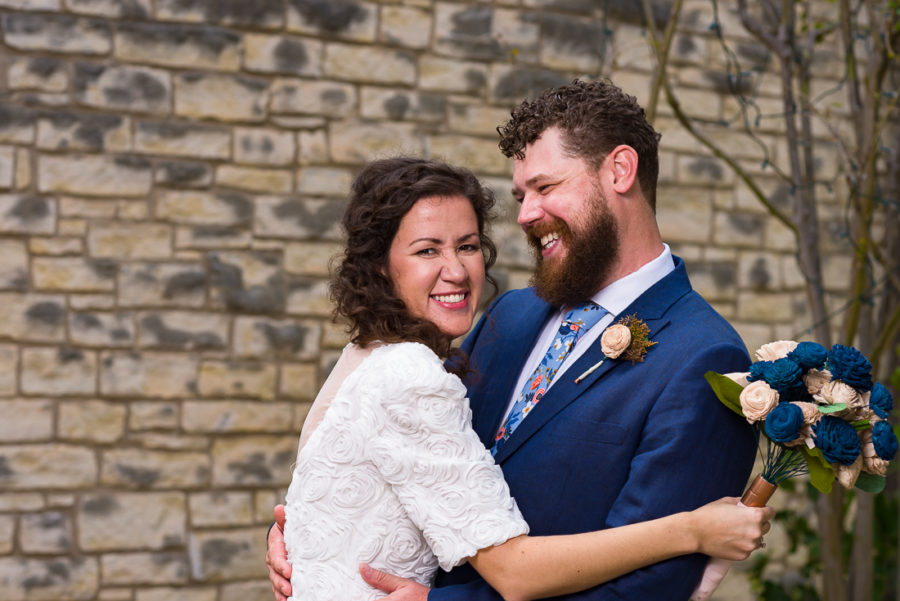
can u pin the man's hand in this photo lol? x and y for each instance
(276, 558)
(399, 589)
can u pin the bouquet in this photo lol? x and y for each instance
(820, 414)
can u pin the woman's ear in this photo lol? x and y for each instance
(623, 161)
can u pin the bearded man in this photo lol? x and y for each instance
(624, 428)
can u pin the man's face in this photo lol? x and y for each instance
(567, 220)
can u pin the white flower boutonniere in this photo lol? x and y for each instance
(628, 338)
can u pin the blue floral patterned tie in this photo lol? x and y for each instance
(575, 323)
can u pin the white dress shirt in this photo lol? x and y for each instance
(615, 298)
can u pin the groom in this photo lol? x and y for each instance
(611, 441)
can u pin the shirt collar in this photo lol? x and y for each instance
(617, 296)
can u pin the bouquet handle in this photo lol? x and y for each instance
(757, 495)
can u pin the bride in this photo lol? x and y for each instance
(389, 472)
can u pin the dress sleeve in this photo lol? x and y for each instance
(424, 446)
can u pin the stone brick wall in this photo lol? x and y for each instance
(172, 173)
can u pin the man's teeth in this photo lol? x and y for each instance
(546, 240)
(449, 298)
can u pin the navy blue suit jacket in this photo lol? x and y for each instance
(630, 443)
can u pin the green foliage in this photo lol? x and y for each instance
(727, 390)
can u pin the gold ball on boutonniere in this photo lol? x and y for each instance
(629, 339)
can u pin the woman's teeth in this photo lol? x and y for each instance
(449, 298)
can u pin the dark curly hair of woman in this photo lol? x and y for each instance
(383, 192)
(594, 118)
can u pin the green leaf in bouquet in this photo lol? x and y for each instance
(870, 483)
(832, 408)
(861, 425)
(727, 390)
(821, 474)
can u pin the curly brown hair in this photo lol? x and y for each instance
(382, 193)
(594, 117)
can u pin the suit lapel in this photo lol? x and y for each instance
(650, 307)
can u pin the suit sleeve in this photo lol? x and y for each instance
(693, 450)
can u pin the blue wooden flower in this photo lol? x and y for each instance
(837, 439)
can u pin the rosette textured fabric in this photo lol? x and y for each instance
(393, 476)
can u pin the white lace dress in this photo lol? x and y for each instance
(392, 475)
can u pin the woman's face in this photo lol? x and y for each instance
(435, 262)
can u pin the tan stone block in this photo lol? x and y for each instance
(47, 532)
(153, 415)
(760, 271)
(171, 442)
(227, 555)
(115, 594)
(310, 258)
(184, 330)
(68, 131)
(124, 240)
(221, 508)
(123, 87)
(95, 421)
(178, 45)
(396, 104)
(568, 42)
(60, 500)
(836, 272)
(281, 217)
(13, 265)
(264, 502)
(72, 227)
(58, 371)
(369, 64)
(684, 214)
(253, 460)
(222, 97)
(259, 337)
(262, 15)
(283, 54)
(38, 73)
(697, 171)
(7, 166)
(75, 274)
(48, 466)
(313, 97)
(55, 246)
(449, 75)
(309, 296)
(631, 51)
(791, 274)
(27, 214)
(255, 179)
(91, 302)
(313, 147)
(476, 119)
(464, 150)
(22, 177)
(247, 380)
(739, 229)
(183, 139)
(148, 375)
(350, 21)
(334, 335)
(764, 307)
(169, 593)
(203, 208)
(7, 529)
(57, 33)
(405, 25)
(61, 578)
(22, 502)
(235, 416)
(299, 381)
(714, 280)
(16, 124)
(246, 591)
(212, 237)
(356, 142)
(87, 208)
(162, 284)
(143, 468)
(129, 569)
(140, 9)
(264, 146)
(101, 329)
(94, 175)
(140, 520)
(324, 181)
(26, 420)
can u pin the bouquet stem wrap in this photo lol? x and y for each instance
(757, 495)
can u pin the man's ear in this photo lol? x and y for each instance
(623, 161)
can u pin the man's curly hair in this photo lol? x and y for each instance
(594, 118)
(382, 193)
